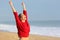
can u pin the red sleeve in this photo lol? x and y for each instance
(25, 13)
(16, 16)
(18, 22)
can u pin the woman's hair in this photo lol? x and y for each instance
(19, 15)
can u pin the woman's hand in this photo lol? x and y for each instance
(10, 2)
(12, 6)
(23, 4)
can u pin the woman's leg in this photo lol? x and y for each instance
(24, 38)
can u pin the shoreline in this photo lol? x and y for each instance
(14, 36)
(40, 30)
(30, 34)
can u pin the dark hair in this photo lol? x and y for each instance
(19, 15)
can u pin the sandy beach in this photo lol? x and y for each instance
(14, 36)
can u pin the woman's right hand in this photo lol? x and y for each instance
(12, 6)
(10, 2)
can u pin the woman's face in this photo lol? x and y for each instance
(23, 17)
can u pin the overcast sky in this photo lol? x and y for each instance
(37, 9)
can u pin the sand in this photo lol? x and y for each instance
(14, 36)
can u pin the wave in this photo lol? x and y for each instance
(7, 27)
(47, 31)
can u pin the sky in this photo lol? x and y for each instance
(38, 10)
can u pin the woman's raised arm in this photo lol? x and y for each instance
(11, 4)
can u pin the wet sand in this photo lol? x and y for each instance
(14, 36)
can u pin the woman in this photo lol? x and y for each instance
(21, 22)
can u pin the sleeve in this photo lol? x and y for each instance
(18, 22)
(16, 17)
(25, 13)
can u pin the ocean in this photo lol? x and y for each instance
(46, 28)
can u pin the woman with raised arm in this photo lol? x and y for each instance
(21, 22)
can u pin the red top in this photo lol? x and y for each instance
(23, 28)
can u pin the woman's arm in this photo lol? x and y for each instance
(11, 4)
(23, 5)
(15, 13)
(24, 10)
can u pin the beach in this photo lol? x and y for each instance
(38, 31)
(14, 36)
(43, 18)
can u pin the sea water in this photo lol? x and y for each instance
(46, 28)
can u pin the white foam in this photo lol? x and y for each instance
(47, 31)
(10, 28)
